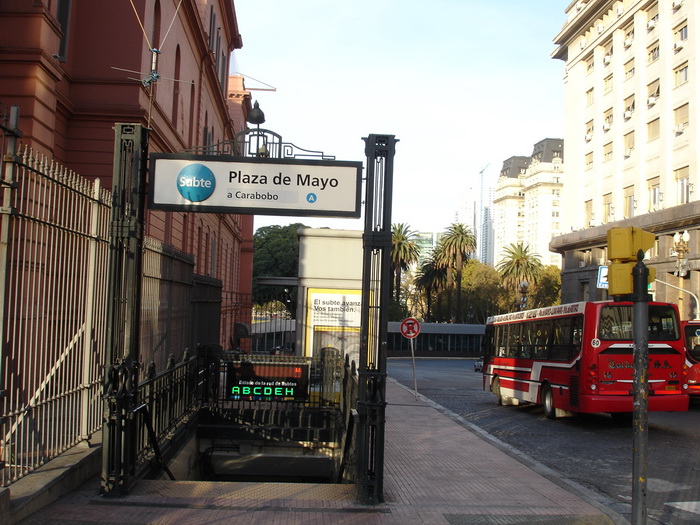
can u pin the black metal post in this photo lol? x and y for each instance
(376, 278)
(640, 329)
(123, 308)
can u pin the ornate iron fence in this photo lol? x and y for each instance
(54, 243)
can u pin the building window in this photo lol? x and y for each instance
(680, 74)
(629, 107)
(680, 117)
(588, 212)
(652, 16)
(608, 84)
(589, 131)
(682, 176)
(653, 52)
(607, 119)
(629, 143)
(654, 188)
(681, 36)
(628, 202)
(607, 208)
(653, 92)
(607, 151)
(607, 54)
(653, 128)
(629, 69)
(589, 160)
(589, 65)
(63, 9)
(589, 97)
(629, 37)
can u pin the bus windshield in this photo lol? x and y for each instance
(616, 323)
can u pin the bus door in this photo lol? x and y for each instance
(691, 339)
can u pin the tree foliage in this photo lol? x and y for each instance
(455, 248)
(404, 253)
(276, 255)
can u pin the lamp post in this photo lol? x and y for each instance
(523, 294)
(680, 246)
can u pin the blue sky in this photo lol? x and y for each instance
(462, 84)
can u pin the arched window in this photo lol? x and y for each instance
(155, 30)
(176, 89)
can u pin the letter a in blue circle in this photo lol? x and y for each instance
(196, 182)
(311, 198)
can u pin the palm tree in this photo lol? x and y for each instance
(457, 245)
(429, 278)
(404, 252)
(519, 267)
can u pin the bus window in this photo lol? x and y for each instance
(501, 340)
(542, 330)
(561, 349)
(616, 323)
(528, 338)
(515, 347)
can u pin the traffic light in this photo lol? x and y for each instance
(623, 246)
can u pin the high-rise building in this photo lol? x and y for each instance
(527, 201)
(631, 139)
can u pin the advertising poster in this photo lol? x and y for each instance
(333, 320)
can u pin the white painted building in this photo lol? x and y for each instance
(527, 201)
(630, 134)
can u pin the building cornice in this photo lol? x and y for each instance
(660, 222)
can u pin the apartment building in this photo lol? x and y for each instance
(527, 202)
(631, 139)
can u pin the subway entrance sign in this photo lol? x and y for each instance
(267, 381)
(255, 185)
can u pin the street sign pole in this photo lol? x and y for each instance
(640, 331)
(410, 328)
(413, 360)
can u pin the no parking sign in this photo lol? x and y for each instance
(410, 328)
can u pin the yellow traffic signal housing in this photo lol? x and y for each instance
(620, 245)
(624, 243)
(623, 246)
(620, 280)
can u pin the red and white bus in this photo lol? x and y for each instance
(691, 335)
(579, 358)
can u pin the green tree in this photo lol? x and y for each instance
(276, 255)
(430, 278)
(547, 291)
(404, 252)
(456, 247)
(519, 266)
(484, 291)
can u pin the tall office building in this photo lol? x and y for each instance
(527, 201)
(631, 139)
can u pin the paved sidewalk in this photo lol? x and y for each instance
(437, 471)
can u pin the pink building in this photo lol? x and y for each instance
(76, 67)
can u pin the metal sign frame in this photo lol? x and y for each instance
(255, 185)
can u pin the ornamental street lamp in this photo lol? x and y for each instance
(680, 246)
(523, 294)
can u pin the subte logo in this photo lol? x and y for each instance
(196, 182)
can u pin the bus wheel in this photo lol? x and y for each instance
(548, 402)
(496, 389)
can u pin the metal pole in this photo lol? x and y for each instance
(7, 188)
(640, 329)
(413, 360)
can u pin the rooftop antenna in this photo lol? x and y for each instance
(149, 80)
